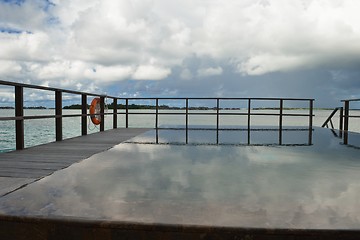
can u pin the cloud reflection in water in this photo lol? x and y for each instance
(251, 186)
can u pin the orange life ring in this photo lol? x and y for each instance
(95, 111)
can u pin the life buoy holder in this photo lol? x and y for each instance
(95, 110)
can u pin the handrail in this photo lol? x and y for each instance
(24, 85)
(19, 110)
(351, 100)
(347, 117)
(329, 119)
(344, 118)
(214, 98)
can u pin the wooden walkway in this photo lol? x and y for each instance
(19, 168)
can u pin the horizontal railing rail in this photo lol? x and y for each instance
(38, 87)
(187, 111)
(351, 100)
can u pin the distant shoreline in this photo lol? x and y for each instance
(41, 107)
(165, 107)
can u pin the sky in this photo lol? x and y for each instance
(184, 48)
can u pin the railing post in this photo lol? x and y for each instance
(341, 122)
(115, 113)
(58, 113)
(157, 120)
(102, 107)
(346, 121)
(187, 119)
(83, 111)
(217, 119)
(157, 113)
(127, 113)
(249, 113)
(19, 112)
(311, 106)
(281, 121)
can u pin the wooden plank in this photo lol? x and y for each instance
(25, 173)
(28, 165)
(9, 184)
(41, 159)
(32, 165)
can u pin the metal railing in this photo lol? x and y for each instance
(329, 119)
(19, 111)
(347, 117)
(344, 117)
(341, 122)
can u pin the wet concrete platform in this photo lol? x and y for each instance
(19, 168)
(197, 185)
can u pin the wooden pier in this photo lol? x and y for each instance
(22, 167)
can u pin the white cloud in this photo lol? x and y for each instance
(52, 70)
(6, 95)
(69, 40)
(207, 72)
(59, 70)
(281, 35)
(25, 47)
(8, 68)
(109, 74)
(28, 16)
(148, 72)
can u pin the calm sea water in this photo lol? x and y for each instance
(42, 131)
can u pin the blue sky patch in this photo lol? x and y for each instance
(10, 31)
(13, 31)
(17, 2)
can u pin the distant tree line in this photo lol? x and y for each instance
(142, 106)
(121, 106)
(40, 107)
(139, 106)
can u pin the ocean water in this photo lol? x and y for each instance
(41, 131)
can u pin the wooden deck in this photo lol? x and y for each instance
(19, 168)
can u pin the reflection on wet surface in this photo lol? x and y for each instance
(263, 136)
(274, 186)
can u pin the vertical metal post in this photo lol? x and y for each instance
(157, 135)
(281, 121)
(127, 113)
(217, 119)
(83, 111)
(19, 112)
(102, 107)
(58, 113)
(341, 122)
(115, 113)
(157, 120)
(311, 106)
(157, 113)
(249, 120)
(187, 119)
(346, 121)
